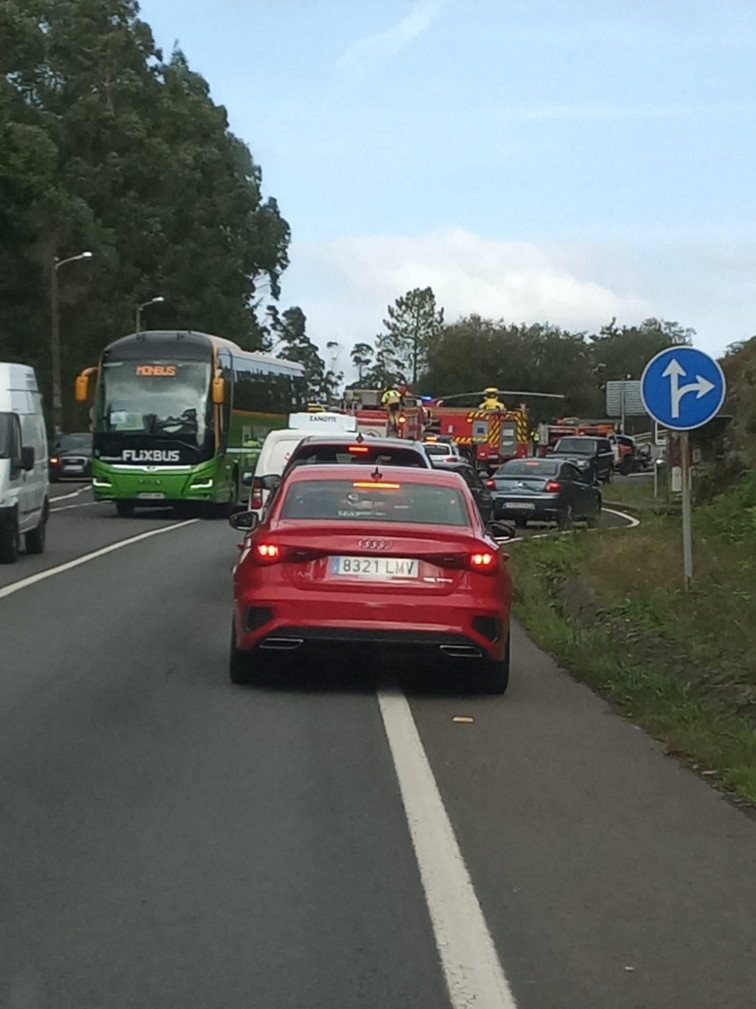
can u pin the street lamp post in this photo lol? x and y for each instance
(57, 370)
(138, 321)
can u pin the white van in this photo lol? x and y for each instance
(279, 445)
(24, 481)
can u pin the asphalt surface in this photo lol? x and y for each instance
(172, 842)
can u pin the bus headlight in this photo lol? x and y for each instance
(202, 484)
(101, 483)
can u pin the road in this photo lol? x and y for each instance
(171, 842)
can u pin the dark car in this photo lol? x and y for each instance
(545, 490)
(71, 457)
(479, 488)
(595, 456)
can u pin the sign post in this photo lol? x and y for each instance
(668, 385)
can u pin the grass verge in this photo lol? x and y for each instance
(634, 575)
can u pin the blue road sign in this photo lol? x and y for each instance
(682, 388)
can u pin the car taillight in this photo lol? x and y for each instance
(54, 460)
(257, 489)
(491, 484)
(484, 561)
(553, 486)
(267, 553)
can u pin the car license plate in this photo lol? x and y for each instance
(375, 568)
(151, 496)
(522, 505)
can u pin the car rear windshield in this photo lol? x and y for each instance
(383, 455)
(379, 501)
(578, 446)
(67, 442)
(438, 448)
(528, 467)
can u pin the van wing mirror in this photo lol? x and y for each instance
(27, 458)
(244, 520)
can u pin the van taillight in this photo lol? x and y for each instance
(257, 489)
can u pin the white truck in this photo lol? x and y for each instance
(24, 479)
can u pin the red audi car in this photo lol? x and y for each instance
(383, 558)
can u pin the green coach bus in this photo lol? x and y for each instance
(179, 416)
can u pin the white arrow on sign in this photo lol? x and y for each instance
(674, 372)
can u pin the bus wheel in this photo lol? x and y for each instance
(125, 509)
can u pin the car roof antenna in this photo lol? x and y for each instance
(376, 474)
(360, 438)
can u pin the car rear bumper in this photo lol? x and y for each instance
(440, 629)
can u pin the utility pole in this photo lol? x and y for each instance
(138, 314)
(55, 352)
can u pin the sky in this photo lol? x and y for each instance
(561, 161)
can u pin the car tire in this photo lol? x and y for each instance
(34, 540)
(566, 518)
(239, 662)
(9, 539)
(609, 476)
(125, 509)
(494, 674)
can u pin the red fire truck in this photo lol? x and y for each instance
(373, 419)
(490, 437)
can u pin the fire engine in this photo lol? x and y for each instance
(489, 437)
(373, 419)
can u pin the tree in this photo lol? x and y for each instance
(290, 329)
(106, 146)
(474, 353)
(362, 355)
(413, 324)
(620, 352)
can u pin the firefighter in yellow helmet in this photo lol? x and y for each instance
(392, 400)
(492, 401)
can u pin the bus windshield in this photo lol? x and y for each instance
(170, 398)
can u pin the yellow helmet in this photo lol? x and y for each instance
(491, 391)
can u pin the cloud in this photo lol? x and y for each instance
(369, 52)
(345, 285)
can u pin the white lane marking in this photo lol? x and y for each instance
(474, 975)
(24, 583)
(631, 520)
(83, 504)
(65, 497)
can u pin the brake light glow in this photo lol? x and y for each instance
(402, 420)
(491, 484)
(268, 551)
(54, 460)
(375, 485)
(361, 449)
(553, 486)
(482, 560)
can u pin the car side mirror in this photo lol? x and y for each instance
(27, 458)
(271, 482)
(247, 521)
(502, 530)
(247, 479)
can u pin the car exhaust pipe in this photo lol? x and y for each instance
(461, 651)
(281, 644)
